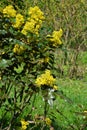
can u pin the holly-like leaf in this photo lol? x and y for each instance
(20, 68)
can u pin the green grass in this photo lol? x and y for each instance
(72, 103)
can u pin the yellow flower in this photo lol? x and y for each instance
(17, 46)
(36, 14)
(46, 59)
(48, 121)
(55, 87)
(24, 124)
(34, 22)
(24, 32)
(29, 27)
(55, 38)
(45, 79)
(9, 11)
(24, 127)
(19, 21)
(18, 49)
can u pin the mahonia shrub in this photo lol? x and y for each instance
(26, 68)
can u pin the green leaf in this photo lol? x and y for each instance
(20, 68)
(3, 32)
(5, 63)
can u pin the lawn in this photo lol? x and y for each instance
(73, 104)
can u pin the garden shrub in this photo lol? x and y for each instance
(26, 68)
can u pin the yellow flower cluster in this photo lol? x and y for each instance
(45, 79)
(18, 49)
(9, 11)
(30, 27)
(19, 21)
(44, 60)
(48, 121)
(36, 14)
(34, 22)
(24, 124)
(55, 38)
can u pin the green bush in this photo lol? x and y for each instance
(26, 67)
